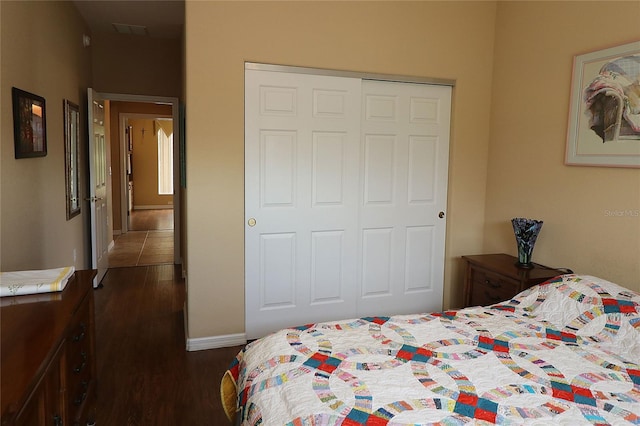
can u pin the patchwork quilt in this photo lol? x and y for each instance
(566, 352)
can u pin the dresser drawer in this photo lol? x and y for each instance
(79, 361)
(44, 339)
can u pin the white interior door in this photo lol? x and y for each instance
(301, 182)
(98, 177)
(405, 157)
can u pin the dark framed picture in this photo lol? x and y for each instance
(29, 124)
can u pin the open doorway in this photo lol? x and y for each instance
(135, 124)
(147, 148)
(146, 234)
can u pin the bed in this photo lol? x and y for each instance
(563, 352)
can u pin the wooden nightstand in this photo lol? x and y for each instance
(493, 278)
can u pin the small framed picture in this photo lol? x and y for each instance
(29, 124)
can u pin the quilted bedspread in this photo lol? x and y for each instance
(564, 352)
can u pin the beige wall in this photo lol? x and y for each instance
(433, 39)
(130, 108)
(535, 45)
(136, 65)
(41, 52)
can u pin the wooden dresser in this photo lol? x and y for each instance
(47, 356)
(493, 278)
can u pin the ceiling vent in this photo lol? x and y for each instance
(130, 29)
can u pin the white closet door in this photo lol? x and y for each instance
(302, 142)
(405, 157)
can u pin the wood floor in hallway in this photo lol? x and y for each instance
(145, 375)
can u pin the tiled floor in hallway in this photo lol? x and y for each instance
(149, 242)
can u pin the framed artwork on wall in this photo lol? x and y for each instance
(29, 124)
(604, 115)
(71, 157)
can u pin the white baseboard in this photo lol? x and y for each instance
(215, 342)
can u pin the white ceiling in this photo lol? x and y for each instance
(162, 18)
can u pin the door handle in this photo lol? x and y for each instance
(251, 222)
(94, 199)
(441, 215)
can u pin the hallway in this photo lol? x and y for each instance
(148, 242)
(145, 375)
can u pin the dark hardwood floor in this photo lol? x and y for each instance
(145, 375)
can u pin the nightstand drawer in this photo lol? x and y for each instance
(491, 288)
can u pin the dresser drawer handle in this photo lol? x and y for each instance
(79, 368)
(83, 329)
(492, 284)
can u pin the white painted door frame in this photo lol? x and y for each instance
(177, 138)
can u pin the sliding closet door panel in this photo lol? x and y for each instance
(278, 274)
(278, 168)
(405, 142)
(302, 144)
(419, 243)
(422, 162)
(377, 252)
(328, 180)
(379, 169)
(327, 264)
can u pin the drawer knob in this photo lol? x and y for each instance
(79, 368)
(83, 329)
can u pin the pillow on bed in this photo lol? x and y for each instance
(229, 395)
(593, 309)
(562, 299)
